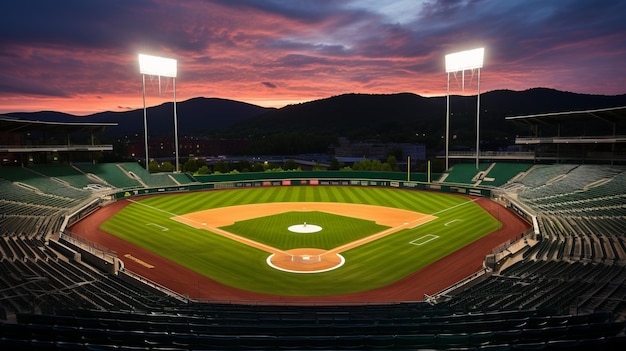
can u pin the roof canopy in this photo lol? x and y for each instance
(611, 115)
(16, 125)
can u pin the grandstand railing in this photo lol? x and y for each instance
(509, 155)
(155, 285)
(571, 139)
(437, 297)
(93, 248)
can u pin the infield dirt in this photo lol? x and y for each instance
(396, 219)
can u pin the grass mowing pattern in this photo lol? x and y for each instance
(336, 230)
(369, 266)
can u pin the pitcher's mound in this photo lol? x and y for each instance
(305, 228)
(305, 260)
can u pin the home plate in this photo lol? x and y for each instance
(305, 228)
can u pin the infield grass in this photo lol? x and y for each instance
(147, 223)
(336, 230)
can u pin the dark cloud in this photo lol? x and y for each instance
(115, 25)
(73, 22)
(316, 11)
(269, 85)
(38, 87)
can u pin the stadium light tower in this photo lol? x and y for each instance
(460, 62)
(161, 67)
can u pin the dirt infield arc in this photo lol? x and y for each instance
(213, 219)
(428, 280)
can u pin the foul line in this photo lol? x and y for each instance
(161, 210)
(359, 242)
(455, 206)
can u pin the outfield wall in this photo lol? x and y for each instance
(314, 178)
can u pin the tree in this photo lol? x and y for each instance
(392, 161)
(335, 164)
(376, 165)
(153, 166)
(200, 162)
(243, 166)
(166, 166)
(258, 167)
(204, 170)
(221, 167)
(290, 165)
(190, 166)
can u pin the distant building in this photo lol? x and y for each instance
(163, 147)
(378, 150)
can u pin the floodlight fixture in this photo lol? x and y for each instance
(157, 66)
(465, 60)
(460, 62)
(161, 67)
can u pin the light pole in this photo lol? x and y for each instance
(460, 62)
(161, 67)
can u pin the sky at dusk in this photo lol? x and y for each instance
(80, 57)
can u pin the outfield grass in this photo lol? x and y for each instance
(147, 223)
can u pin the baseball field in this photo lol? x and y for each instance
(300, 241)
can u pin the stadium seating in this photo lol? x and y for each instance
(63, 172)
(112, 174)
(487, 174)
(183, 178)
(150, 180)
(464, 173)
(567, 291)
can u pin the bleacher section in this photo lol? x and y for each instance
(151, 180)
(64, 173)
(463, 173)
(45, 186)
(573, 183)
(557, 286)
(32, 204)
(487, 174)
(578, 263)
(183, 178)
(581, 210)
(112, 174)
(248, 327)
(39, 280)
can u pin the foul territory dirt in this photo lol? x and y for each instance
(428, 280)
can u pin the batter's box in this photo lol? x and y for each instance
(423, 239)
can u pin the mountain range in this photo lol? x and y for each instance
(312, 126)
(197, 115)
